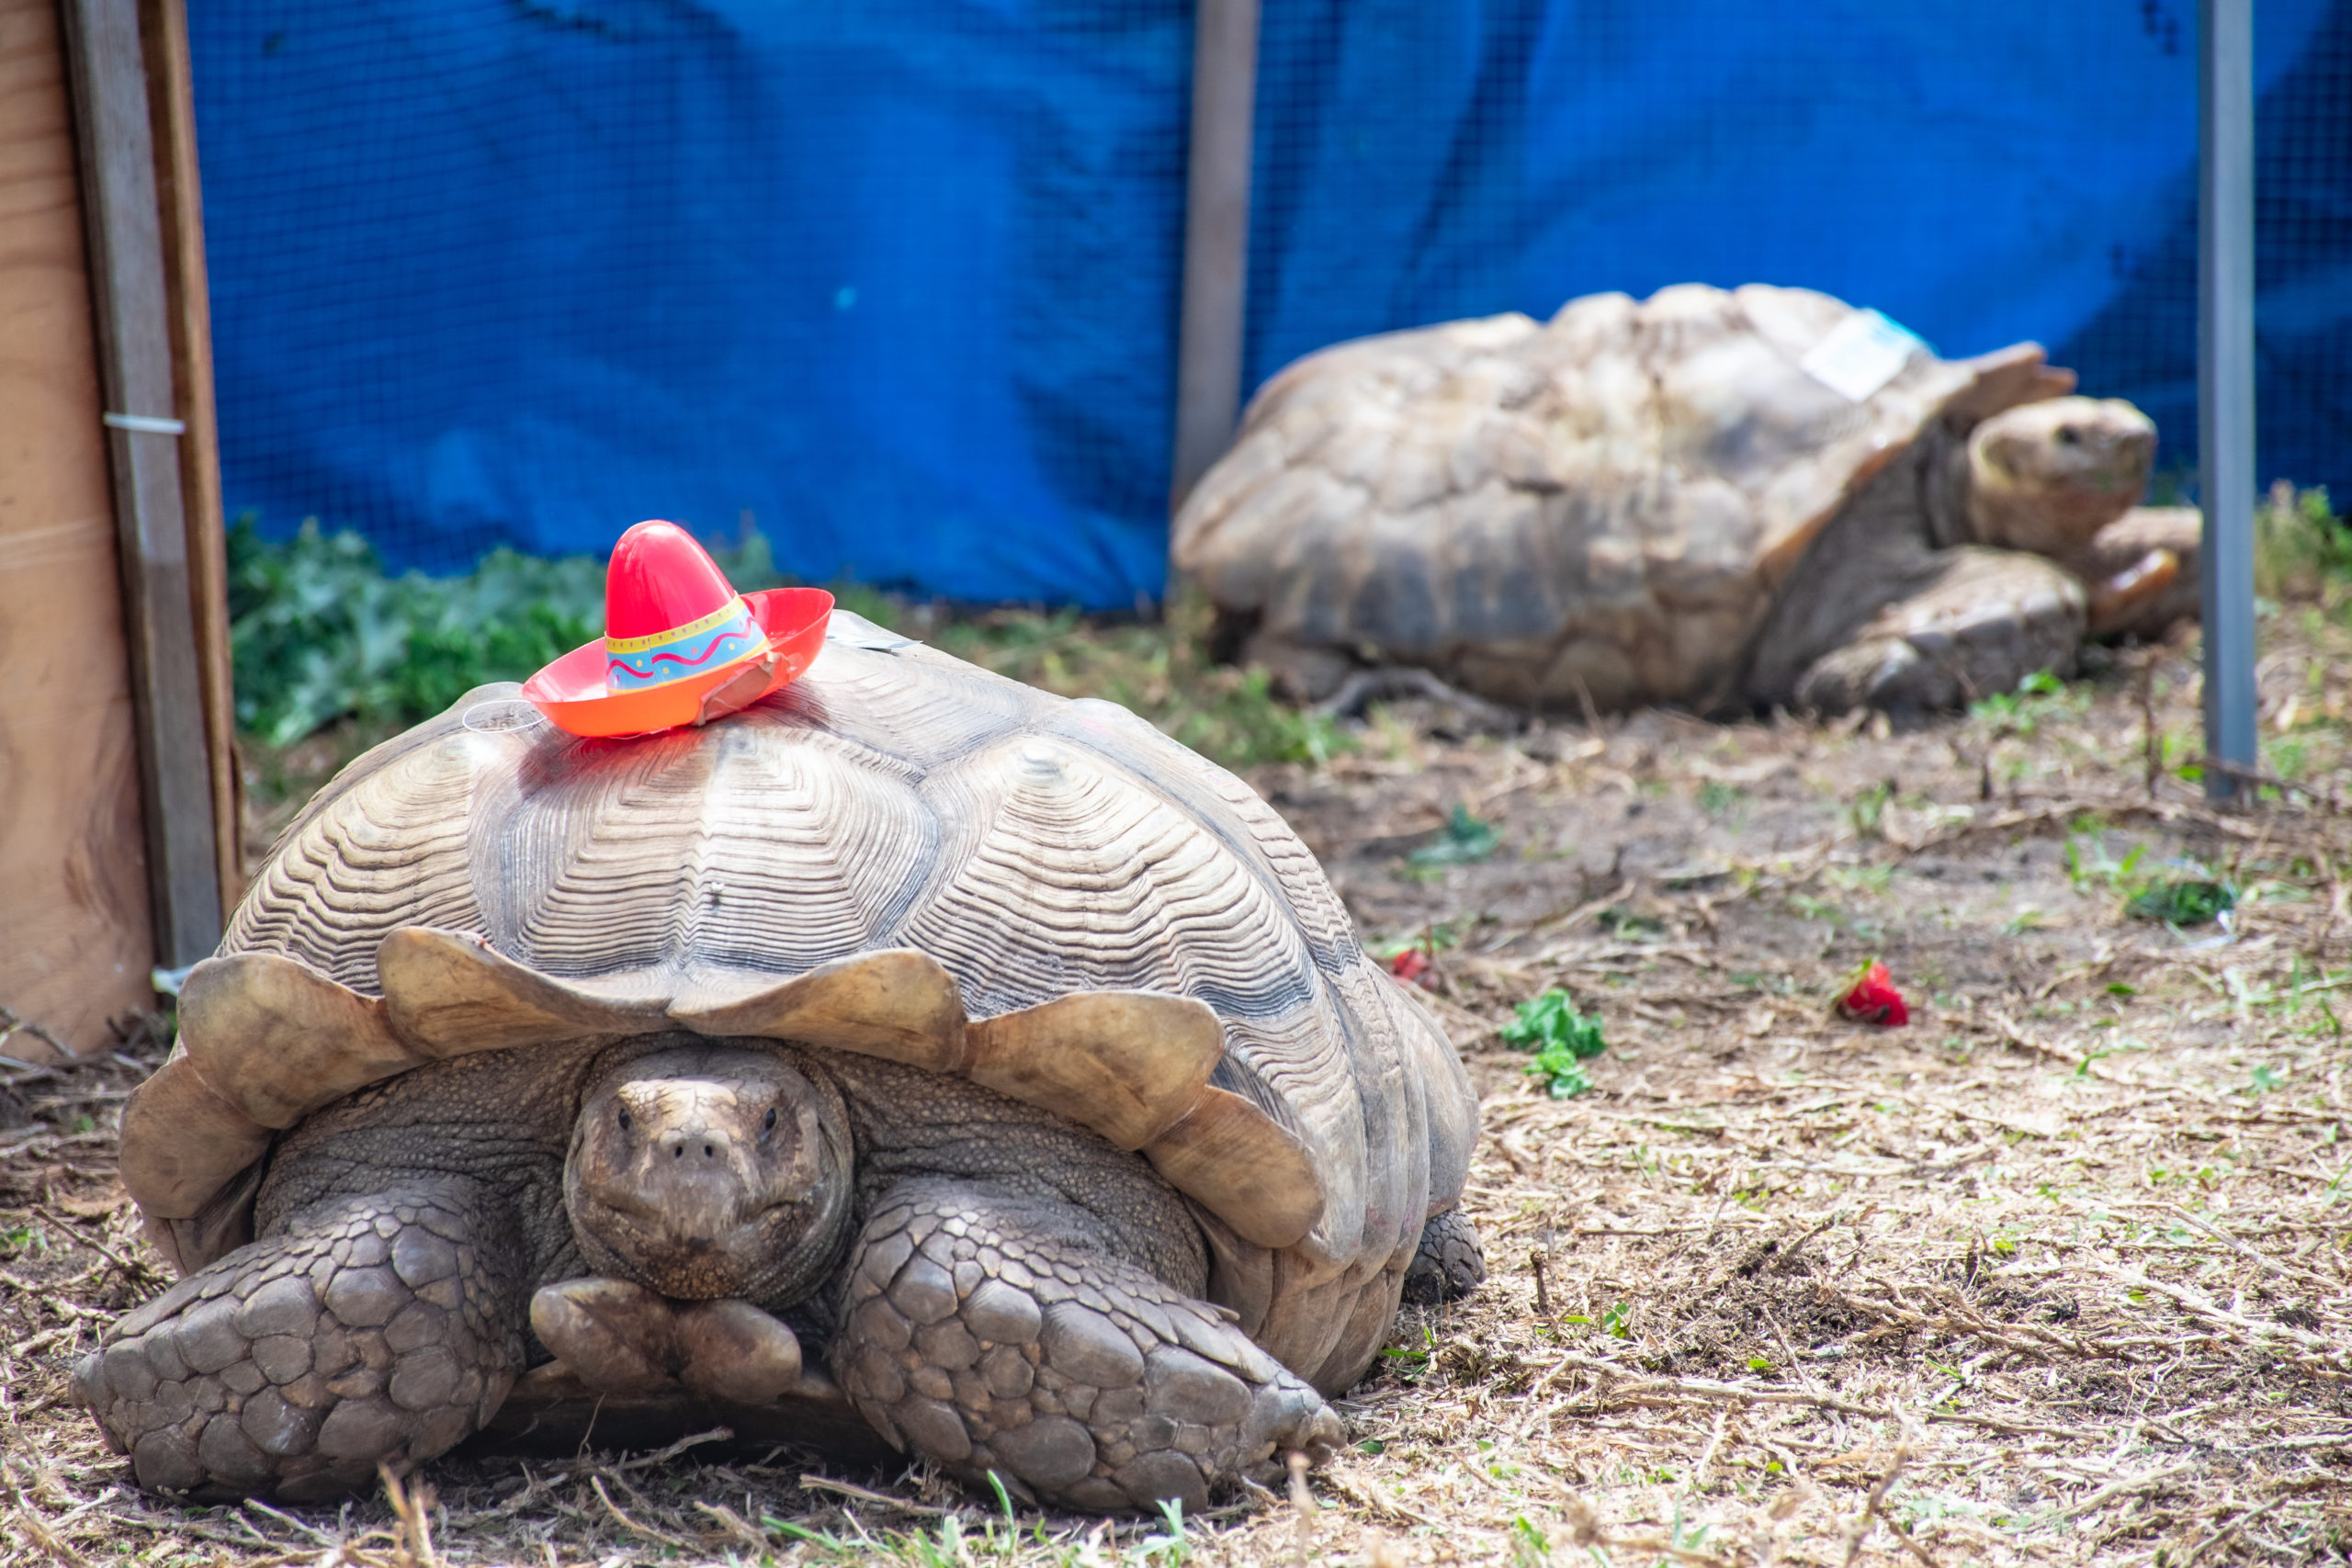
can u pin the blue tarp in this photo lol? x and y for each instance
(896, 282)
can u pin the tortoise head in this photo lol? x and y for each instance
(2047, 476)
(704, 1171)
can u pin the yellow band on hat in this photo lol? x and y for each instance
(712, 622)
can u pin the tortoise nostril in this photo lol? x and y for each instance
(678, 1153)
(706, 1151)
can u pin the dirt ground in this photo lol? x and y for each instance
(2057, 1272)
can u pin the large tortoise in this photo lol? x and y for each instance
(1661, 502)
(988, 1052)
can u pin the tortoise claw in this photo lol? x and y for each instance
(621, 1338)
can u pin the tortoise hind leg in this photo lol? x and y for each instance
(370, 1330)
(1986, 620)
(1450, 1262)
(993, 1331)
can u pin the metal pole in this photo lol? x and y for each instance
(1217, 238)
(2225, 381)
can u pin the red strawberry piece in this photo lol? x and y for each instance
(1870, 998)
(1410, 965)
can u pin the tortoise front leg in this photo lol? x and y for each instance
(370, 1330)
(992, 1332)
(1987, 620)
(1449, 1263)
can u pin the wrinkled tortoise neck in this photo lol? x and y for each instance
(1947, 487)
(709, 1170)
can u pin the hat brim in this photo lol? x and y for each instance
(573, 695)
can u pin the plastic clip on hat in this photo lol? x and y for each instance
(680, 646)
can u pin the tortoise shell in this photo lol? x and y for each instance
(899, 855)
(1602, 506)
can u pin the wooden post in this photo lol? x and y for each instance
(76, 936)
(1217, 238)
(2225, 385)
(172, 108)
(132, 306)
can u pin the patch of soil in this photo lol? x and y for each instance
(2062, 1270)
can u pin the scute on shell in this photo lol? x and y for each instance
(1127, 1064)
(277, 1039)
(182, 1142)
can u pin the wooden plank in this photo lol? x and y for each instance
(131, 307)
(76, 935)
(1217, 238)
(162, 24)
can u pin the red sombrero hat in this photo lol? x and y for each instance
(680, 645)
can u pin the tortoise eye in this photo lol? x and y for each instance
(625, 1122)
(769, 1125)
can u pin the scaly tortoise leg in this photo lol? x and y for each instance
(989, 1335)
(621, 1338)
(1449, 1263)
(1988, 619)
(369, 1331)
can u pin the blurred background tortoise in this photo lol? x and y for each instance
(913, 1054)
(1673, 501)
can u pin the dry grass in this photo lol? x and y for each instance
(2058, 1273)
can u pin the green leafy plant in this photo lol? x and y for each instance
(1717, 798)
(2038, 698)
(1862, 878)
(318, 632)
(1867, 812)
(1439, 936)
(1463, 840)
(1172, 1545)
(2089, 865)
(1617, 1322)
(2190, 898)
(2300, 543)
(1408, 1362)
(1562, 1038)
(2182, 901)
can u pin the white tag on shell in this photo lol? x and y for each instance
(1862, 354)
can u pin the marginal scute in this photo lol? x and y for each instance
(1244, 1167)
(2008, 377)
(224, 1224)
(898, 1004)
(182, 1142)
(450, 994)
(278, 1040)
(1127, 1064)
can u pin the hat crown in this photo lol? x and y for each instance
(661, 579)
